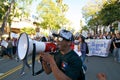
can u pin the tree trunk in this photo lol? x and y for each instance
(96, 29)
(10, 29)
(6, 16)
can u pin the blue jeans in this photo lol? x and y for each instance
(10, 51)
(116, 53)
(25, 63)
(83, 57)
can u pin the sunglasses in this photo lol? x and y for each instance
(59, 39)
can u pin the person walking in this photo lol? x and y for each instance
(83, 50)
(24, 63)
(116, 44)
(10, 48)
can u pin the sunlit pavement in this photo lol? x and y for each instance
(1, 74)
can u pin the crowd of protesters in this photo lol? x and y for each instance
(10, 49)
(115, 42)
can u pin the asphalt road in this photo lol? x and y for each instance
(10, 69)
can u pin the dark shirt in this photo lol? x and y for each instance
(83, 48)
(70, 64)
(117, 42)
(89, 37)
(108, 37)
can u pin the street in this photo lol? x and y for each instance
(10, 69)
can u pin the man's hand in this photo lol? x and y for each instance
(46, 57)
(101, 76)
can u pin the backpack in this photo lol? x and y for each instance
(87, 48)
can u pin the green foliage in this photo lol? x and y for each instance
(91, 8)
(95, 21)
(51, 14)
(4, 5)
(86, 28)
(110, 13)
(12, 8)
(3, 8)
(28, 30)
(115, 25)
(24, 6)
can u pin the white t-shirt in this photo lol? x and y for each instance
(76, 50)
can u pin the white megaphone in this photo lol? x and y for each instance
(25, 46)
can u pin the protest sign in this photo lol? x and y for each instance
(98, 47)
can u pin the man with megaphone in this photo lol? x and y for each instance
(27, 46)
(65, 63)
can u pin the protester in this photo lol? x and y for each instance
(3, 48)
(108, 36)
(10, 48)
(111, 45)
(14, 43)
(89, 36)
(43, 39)
(25, 63)
(6, 48)
(83, 49)
(116, 44)
(65, 64)
(3, 51)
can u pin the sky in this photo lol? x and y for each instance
(74, 13)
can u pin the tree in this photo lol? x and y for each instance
(11, 8)
(90, 12)
(3, 8)
(92, 8)
(110, 13)
(25, 5)
(107, 13)
(5, 17)
(28, 30)
(52, 14)
(59, 1)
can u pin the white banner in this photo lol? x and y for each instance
(4, 43)
(119, 26)
(13, 35)
(98, 47)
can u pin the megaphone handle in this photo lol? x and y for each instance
(33, 62)
(33, 59)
